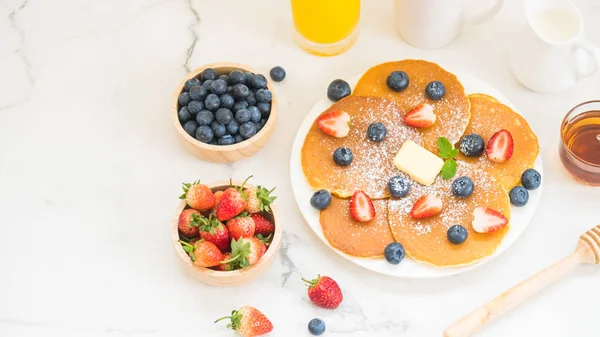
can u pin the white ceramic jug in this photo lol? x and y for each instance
(546, 53)
(431, 24)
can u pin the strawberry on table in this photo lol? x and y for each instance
(259, 199)
(487, 220)
(203, 253)
(241, 226)
(248, 322)
(263, 226)
(324, 292)
(421, 116)
(427, 206)
(335, 123)
(212, 230)
(232, 203)
(500, 146)
(186, 224)
(198, 196)
(361, 207)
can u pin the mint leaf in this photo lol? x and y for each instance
(453, 153)
(449, 169)
(445, 147)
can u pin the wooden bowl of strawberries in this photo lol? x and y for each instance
(226, 233)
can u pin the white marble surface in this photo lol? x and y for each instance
(90, 169)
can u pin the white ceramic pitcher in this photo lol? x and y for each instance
(546, 53)
(431, 24)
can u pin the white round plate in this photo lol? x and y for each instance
(519, 220)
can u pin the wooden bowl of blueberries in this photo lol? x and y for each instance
(225, 112)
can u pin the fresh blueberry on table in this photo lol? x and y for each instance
(343, 156)
(212, 102)
(190, 83)
(219, 87)
(471, 145)
(190, 127)
(376, 131)
(205, 117)
(259, 81)
(238, 138)
(204, 134)
(397, 81)
(277, 74)
(263, 95)
(198, 92)
(243, 115)
(208, 74)
(457, 234)
(240, 91)
(531, 179)
(462, 187)
(223, 116)
(435, 90)
(255, 114)
(226, 140)
(237, 77)
(519, 196)
(316, 327)
(394, 253)
(184, 99)
(218, 129)
(320, 199)
(338, 89)
(399, 186)
(207, 84)
(184, 115)
(251, 98)
(233, 127)
(239, 105)
(195, 106)
(247, 130)
(264, 108)
(227, 101)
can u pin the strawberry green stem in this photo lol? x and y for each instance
(312, 283)
(186, 244)
(222, 318)
(231, 259)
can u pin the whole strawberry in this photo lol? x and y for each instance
(186, 222)
(248, 322)
(212, 230)
(241, 226)
(324, 292)
(225, 265)
(259, 199)
(203, 253)
(263, 226)
(232, 203)
(245, 252)
(198, 196)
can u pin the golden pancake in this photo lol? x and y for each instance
(360, 239)
(372, 165)
(426, 239)
(489, 116)
(452, 111)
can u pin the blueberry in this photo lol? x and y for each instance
(190, 83)
(223, 116)
(471, 145)
(399, 186)
(264, 95)
(205, 117)
(190, 127)
(342, 156)
(233, 127)
(198, 92)
(213, 141)
(206, 84)
(239, 105)
(457, 234)
(249, 79)
(204, 134)
(183, 99)
(376, 132)
(316, 326)
(394, 253)
(247, 130)
(240, 91)
(212, 102)
(397, 81)
(251, 98)
(239, 138)
(263, 121)
(237, 77)
(218, 129)
(230, 91)
(258, 126)
(435, 90)
(277, 74)
(242, 116)
(226, 140)
(184, 115)
(195, 106)
(224, 78)
(208, 74)
(462, 187)
(227, 101)
(321, 199)
(519, 196)
(255, 114)
(264, 108)
(338, 89)
(259, 81)
(531, 179)
(218, 87)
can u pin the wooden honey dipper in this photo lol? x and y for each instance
(587, 252)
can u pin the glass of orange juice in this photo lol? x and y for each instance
(326, 27)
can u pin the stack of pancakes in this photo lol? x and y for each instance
(457, 115)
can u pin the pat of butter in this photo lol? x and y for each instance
(420, 164)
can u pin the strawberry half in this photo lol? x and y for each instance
(486, 220)
(421, 116)
(500, 146)
(361, 207)
(335, 123)
(427, 206)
